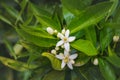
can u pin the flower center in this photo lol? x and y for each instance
(66, 59)
(65, 39)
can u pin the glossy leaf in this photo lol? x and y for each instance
(56, 63)
(81, 60)
(106, 36)
(42, 42)
(113, 58)
(76, 6)
(90, 16)
(106, 70)
(85, 46)
(48, 22)
(37, 32)
(19, 66)
(91, 34)
(54, 75)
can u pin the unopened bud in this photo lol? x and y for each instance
(56, 48)
(50, 30)
(115, 38)
(59, 35)
(53, 51)
(95, 62)
(55, 31)
(63, 31)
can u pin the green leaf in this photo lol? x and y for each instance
(113, 25)
(12, 11)
(113, 58)
(42, 42)
(56, 64)
(85, 46)
(91, 34)
(81, 60)
(10, 48)
(38, 11)
(19, 66)
(49, 22)
(5, 20)
(116, 17)
(37, 32)
(76, 6)
(106, 36)
(106, 70)
(89, 16)
(54, 75)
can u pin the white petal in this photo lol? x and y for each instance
(60, 56)
(60, 35)
(67, 33)
(70, 39)
(72, 61)
(73, 56)
(66, 53)
(63, 31)
(59, 43)
(67, 46)
(69, 64)
(63, 64)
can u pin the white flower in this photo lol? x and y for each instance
(65, 39)
(50, 30)
(95, 62)
(115, 38)
(67, 59)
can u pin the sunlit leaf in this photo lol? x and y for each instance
(19, 66)
(85, 46)
(56, 63)
(90, 16)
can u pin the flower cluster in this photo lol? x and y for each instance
(64, 43)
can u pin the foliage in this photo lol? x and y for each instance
(93, 24)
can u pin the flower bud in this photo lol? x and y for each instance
(95, 62)
(115, 38)
(55, 31)
(56, 48)
(63, 31)
(50, 30)
(53, 51)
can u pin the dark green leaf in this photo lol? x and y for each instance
(91, 35)
(106, 70)
(76, 6)
(19, 66)
(90, 16)
(54, 75)
(85, 46)
(113, 58)
(106, 36)
(81, 60)
(56, 64)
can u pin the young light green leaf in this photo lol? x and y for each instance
(42, 42)
(113, 58)
(85, 46)
(90, 16)
(55, 75)
(56, 63)
(19, 66)
(106, 70)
